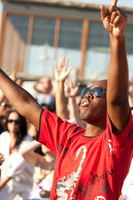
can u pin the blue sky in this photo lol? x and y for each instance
(125, 3)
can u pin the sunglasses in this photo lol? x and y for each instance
(96, 91)
(12, 120)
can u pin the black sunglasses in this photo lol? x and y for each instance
(96, 91)
(12, 120)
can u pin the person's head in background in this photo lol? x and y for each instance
(46, 84)
(16, 125)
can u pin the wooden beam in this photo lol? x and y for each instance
(29, 41)
(84, 46)
(2, 35)
(56, 37)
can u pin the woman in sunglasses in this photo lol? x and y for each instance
(16, 173)
(92, 163)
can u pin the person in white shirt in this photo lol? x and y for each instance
(16, 173)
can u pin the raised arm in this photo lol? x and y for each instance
(61, 73)
(29, 147)
(21, 100)
(115, 22)
(71, 91)
(35, 86)
(13, 77)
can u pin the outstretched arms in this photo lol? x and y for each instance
(114, 22)
(21, 100)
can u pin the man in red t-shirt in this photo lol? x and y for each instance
(91, 163)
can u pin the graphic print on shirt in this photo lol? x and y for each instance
(100, 198)
(112, 149)
(68, 183)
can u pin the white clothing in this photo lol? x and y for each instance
(16, 167)
(127, 190)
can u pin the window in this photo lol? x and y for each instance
(97, 55)
(129, 47)
(42, 50)
(70, 42)
(15, 40)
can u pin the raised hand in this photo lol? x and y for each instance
(114, 20)
(71, 91)
(61, 72)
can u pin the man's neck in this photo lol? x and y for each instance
(93, 129)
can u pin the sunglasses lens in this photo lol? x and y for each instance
(84, 92)
(97, 91)
(15, 121)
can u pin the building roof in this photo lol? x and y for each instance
(67, 3)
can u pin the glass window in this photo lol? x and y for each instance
(129, 48)
(97, 55)
(70, 42)
(14, 44)
(41, 50)
(20, 24)
(129, 39)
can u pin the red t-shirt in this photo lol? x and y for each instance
(91, 168)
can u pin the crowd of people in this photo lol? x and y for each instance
(64, 146)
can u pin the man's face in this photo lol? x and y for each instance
(93, 108)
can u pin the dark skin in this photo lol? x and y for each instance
(117, 87)
(93, 111)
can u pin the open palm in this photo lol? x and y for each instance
(61, 72)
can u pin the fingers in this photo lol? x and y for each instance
(118, 19)
(114, 2)
(69, 83)
(62, 71)
(69, 70)
(103, 12)
(61, 62)
(66, 63)
(55, 65)
(115, 17)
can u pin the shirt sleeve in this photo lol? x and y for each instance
(121, 142)
(52, 130)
